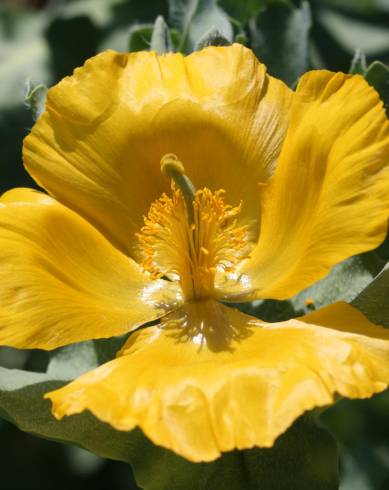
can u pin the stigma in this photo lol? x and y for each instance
(190, 235)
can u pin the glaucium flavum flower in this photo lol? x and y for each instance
(176, 183)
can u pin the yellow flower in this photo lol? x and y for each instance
(176, 183)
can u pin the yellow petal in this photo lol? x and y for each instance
(62, 281)
(329, 197)
(211, 379)
(98, 146)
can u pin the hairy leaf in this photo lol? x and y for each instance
(373, 300)
(194, 18)
(161, 41)
(139, 38)
(377, 74)
(280, 39)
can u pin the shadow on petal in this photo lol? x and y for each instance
(209, 325)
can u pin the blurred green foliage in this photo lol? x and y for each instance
(44, 41)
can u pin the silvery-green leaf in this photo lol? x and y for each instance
(243, 10)
(345, 281)
(161, 41)
(373, 300)
(377, 75)
(35, 98)
(360, 6)
(139, 37)
(358, 63)
(212, 38)
(194, 18)
(100, 11)
(353, 33)
(280, 39)
(23, 54)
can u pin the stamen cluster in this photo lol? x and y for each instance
(191, 252)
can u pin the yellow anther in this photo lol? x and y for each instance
(204, 251)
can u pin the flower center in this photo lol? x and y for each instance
(191, 234)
